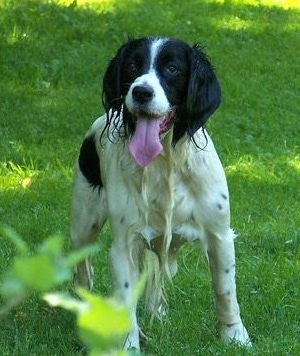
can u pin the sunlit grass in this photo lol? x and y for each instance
(101, 4)
(265, 167)
(52, 62)
(109, 4)
(16, 177)
(295, 163)
(286, 4)
(254, 169)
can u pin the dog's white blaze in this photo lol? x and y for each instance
(155, 48)
(159, 105)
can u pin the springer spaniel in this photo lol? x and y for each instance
(149, 167)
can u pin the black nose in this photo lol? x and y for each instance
(142, 93)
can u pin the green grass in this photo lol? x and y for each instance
(52, 58)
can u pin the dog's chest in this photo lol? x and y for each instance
(169, 203)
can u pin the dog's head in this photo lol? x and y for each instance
(159, 84)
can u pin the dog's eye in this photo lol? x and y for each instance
(172, 69)
(131, 67)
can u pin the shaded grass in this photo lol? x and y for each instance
(52, 58)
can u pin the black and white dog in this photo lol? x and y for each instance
(150, 169)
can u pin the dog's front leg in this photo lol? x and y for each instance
(221, 256)
(125, 276)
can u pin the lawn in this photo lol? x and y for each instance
(52, 58)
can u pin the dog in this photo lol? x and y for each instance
(150, 168)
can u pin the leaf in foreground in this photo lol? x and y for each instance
(102, 322)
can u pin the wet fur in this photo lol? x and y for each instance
(181, 196)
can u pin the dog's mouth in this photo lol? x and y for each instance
(145, 144)
(166, 122)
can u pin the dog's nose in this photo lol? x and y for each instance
(142, 93)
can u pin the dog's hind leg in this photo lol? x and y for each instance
(221, 256)
(87, 218)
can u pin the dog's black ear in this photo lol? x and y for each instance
(204, 93)
(112, 95)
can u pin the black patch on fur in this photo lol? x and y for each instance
(224, 196)
(95, 227)
(89, 163)
(230, 325)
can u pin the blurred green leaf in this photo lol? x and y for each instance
(65, 301)
(52, 245)
(104, 316)
(102, 323)
(47, 268)
(15, 238)
(36, 273)
(76, 256)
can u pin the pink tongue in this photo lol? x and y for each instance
(145, 144)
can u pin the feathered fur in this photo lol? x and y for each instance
(140, 169)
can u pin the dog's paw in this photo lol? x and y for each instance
(235, 333)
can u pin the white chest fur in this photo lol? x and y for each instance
(181, 193)
(166, 202)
